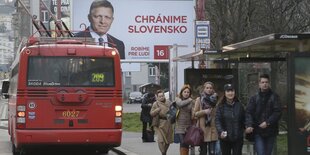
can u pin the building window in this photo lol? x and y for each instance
(152, 71)
(128, 74)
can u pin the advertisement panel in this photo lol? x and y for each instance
(197, 77)
(147, 27)
(299, 124)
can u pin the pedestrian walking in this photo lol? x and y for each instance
(162, 126)
(230, 119)
(185, 104)
(205, 111)
(146, 119)
(262, 117)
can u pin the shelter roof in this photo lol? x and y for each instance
(268, 46)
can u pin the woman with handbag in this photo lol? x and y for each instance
(185, 104)
(230, 120)
(205, 110)
(162, 126)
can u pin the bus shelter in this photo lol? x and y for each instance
(286, 58)
(149, 88)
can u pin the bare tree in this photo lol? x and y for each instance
(237, 20)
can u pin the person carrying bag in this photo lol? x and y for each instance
(205, 111)
(163, 127)
(185, 104)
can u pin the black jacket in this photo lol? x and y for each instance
(112, 42)
(230, 118)
(264, 107)
(146, 108)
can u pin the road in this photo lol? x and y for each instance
(130, 108)
(5, 148)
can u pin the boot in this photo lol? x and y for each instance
(183, 151)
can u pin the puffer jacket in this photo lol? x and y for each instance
(185, 116)
(230, 118)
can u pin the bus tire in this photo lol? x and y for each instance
(102, 151)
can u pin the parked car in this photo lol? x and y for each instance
(135, 97)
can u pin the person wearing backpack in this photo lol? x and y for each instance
(263, 113)
(204, 111)
(163, 127)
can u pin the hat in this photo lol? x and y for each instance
(228, 87)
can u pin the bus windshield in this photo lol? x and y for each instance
(70, 71)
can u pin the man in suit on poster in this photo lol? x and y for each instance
(101, 17)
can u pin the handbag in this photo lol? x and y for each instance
(149, 136)
(194, 135)
(172, 113)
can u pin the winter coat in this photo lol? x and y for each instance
(164, 128)
(209, 129)
(146, 106)
(264, 107)
(230, 118)
(185, 116)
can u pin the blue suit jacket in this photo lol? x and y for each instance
(112, 42)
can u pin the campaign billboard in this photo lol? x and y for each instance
(147, 27)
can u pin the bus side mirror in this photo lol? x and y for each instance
(5, 89)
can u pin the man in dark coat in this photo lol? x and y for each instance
(262, 117)
(145, 116)
(101, 17)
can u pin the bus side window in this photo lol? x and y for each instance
(5, 89)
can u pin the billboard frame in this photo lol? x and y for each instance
(295, 136)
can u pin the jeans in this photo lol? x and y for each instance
(264, 145)
(210, 148)
(218, 148)
(181, 138)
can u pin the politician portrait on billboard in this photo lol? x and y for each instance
(141, 29)
(100, 17)
(300, 126)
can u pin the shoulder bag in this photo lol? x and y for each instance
(194, 135)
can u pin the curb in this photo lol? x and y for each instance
(3, 127)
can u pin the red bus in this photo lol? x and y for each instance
(65, 93)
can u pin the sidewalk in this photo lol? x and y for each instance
(3, 115)
(132, 145)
